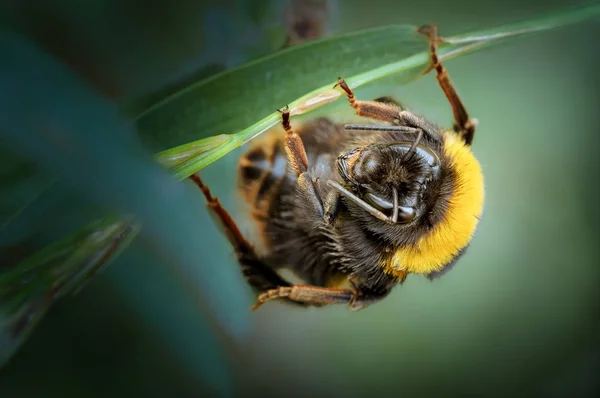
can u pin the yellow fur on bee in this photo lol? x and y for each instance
(437, 248)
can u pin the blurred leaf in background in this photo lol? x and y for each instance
(80, 138)
(28, 289)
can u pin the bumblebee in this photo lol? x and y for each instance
(353, 210)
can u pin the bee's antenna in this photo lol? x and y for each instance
(374, 127)
(395, 211)
(359, 201)
(411, 150)
(403, 129)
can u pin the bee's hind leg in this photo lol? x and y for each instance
(258, 274)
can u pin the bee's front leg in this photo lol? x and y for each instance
(327, 209)
(463, 124)
(380, 109)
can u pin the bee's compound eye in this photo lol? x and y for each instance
(377, 202)
(346, 163)
(406, 214)
(424, 152)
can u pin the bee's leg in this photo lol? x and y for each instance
(463, 125)
(378, 109)
(257, 273)
(356, 298)
(382, 109)
(314, 295)
(325, 211)
(386, 109)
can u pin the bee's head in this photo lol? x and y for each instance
(391, 181)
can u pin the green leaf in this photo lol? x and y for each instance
(539, 24)
(232, 100)
(225, 103)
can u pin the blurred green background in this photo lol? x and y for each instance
(518, 316)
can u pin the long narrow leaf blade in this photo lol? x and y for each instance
(237, 98)
(539, 24)
(187, 118)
